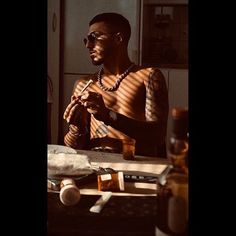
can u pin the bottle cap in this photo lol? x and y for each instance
(67, 181)
(179, 112)
(69, 195)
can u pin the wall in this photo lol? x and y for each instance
(77, 16)
(165, 1)
(177, 83)
(53, 58)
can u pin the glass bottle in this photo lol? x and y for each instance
(172, 186)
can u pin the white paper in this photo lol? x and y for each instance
(68, 164)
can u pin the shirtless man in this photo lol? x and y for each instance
(124, 101)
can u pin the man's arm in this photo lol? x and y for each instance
(135, 128)
(156, 112)
(78, 134)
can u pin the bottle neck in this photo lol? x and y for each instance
(178, 152)
(180, 128)
(178, 143)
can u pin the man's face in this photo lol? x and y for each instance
(100, 42)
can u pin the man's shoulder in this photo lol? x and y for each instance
(149, 68)
(150, 71)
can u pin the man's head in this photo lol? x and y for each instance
(108, 36)
(116, 22)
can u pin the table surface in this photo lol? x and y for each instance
(131, 212)
(122, 215)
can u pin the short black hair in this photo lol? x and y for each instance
(116, 21)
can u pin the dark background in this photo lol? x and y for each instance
(23, 105)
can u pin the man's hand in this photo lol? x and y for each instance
(75, 112)
(95, 105)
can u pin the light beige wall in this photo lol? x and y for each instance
(77, 16)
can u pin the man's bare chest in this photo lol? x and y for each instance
(127, 97)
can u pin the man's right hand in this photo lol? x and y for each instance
(75, 112)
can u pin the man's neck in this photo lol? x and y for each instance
(116, 67)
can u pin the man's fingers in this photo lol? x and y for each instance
(71, 113)
(90, 96)
(73, 109)
(73, 97)
(69, 107)
(69, 110)
(91, 105)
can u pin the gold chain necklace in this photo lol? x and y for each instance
(118, 81)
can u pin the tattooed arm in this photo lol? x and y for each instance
(149, 134)
(156, 111)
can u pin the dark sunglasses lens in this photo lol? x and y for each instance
(91, 38)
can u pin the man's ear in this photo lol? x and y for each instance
(119, 38)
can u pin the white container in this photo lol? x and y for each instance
(69, 193)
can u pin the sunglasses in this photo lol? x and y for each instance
(93, 38)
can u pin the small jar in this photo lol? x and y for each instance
(128, 149)
(69, 193)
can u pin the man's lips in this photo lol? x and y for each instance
(92, 53)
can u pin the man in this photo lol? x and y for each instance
(124, 101)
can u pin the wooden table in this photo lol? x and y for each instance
(128, 213)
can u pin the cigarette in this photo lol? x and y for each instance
(99, 204)
(86, 86)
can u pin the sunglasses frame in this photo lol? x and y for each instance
(93, 38)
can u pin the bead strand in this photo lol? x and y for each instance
(118, 81)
